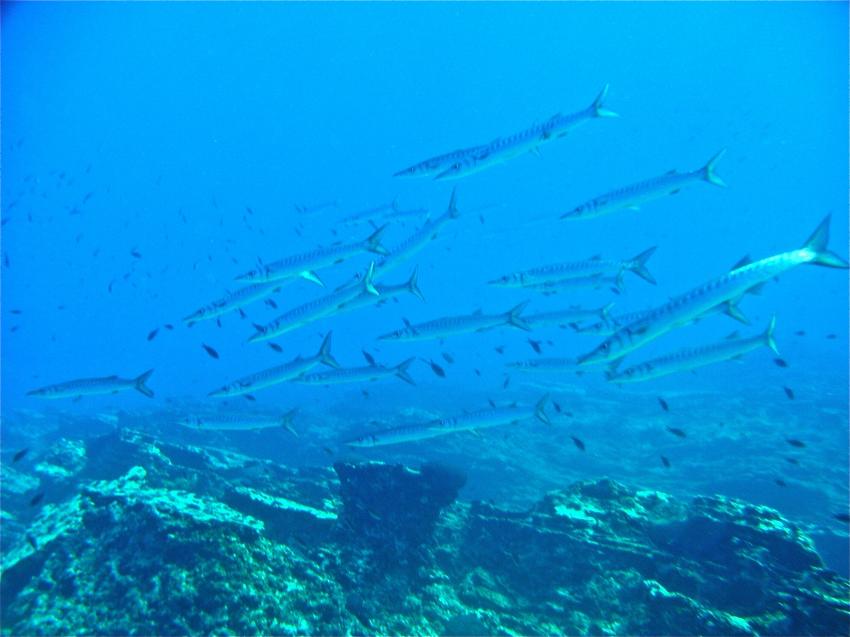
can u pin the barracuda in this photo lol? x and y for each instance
(733, 285)
(436, 164)
(303, 265)
(502, 149)
(385, 293)
(636, 194)
(358, 374)
(595, 266)
(94, 387)
(476, 420)
(452, 325)
(240, 298)
(548, 365)
(278, 374)
(563, 318)
(238, 422)
(695, 357)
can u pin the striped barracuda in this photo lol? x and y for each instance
(732, 285)
(451, 325)
(239, 422)
(436, 164)
(473, 421)
(548, 365)
(633, 196)
(364, 216)
(694, 357)
(316, 309)
(279, 373)
(419, 239)
(234, 301)
(358, 374)
(94, 386)
(563, 318)
(593, 282)
(502, 149)
(595, 266)
(385, 293)
(303, 265)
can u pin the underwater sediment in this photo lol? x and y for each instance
(145, 537)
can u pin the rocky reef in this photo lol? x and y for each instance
(137, 536)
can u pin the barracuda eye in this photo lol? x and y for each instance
(605, 347)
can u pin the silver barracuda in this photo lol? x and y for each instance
(502, 149)
(419, 239)
(547, 365)
(238, 422)
(94, 386)
(385, 293)
(233, 301)
(358, 374)
(636, 194)
(568, 317)
(364, 216)
(316, 309)
(694, 357)
(279, 373)
(476, 420)
(451, 325)
(733, 285)
(436, 164)
(595, 266)
(593, 282)
(303, 265)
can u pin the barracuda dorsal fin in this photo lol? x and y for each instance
(731, 336)
(745, 260)
(406, 322)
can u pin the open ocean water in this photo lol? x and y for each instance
(501, 480)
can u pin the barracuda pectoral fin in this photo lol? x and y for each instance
(368, 280)
(768, 336)
(731, 309)
(311, 276)
(540, 410)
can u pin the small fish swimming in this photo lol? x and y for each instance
(369, 373)
(275, 347)
(238, 421)
(665, 461)
(463, 324)
(780, 362)
(634, 195)
(278, 374)
(152, 334)
(578, 443)
(36, 499)
(477, 420)
(19, 455)
(447, 357)
(685, 308)
(595, 266)
(663, 404)
(209, 350)
(789, 392)
(94, 387)
(439, 371)
(799, 444)
(733, 348)
(677, 432)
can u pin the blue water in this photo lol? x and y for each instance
(152, 152)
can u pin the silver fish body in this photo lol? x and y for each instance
(94, 386)
(240, 298)
(463, 324)
(237, 421)
(366, 373)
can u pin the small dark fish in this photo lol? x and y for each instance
(663, 404)
(218, 322)
(831, 336)
(492, 402)
(665, 461)
(250, 397)
(557, 406)
(248, 208)
(500, 349)
(15, 328)
(36, 499)
(275, 347)
(168, 326)
(800, 333)
(795, 443)
(780, 362)
(16, 312)
(6, 260)
(242, 313)
(209, 350)
(439, 371)
(477, 371)
(136, 253)
(448, 358)
(88, 196)
(535, 345)
(842, 517)
(569, 414)
(792, 461)
(781, 482)
(369, 358)
(507, 382)
(789, 392)
(271, 303)
(578, 443)
(365, 393)
(152, 334)
(19, 455)
(677, 432)
(109, 288)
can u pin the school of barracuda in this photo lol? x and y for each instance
(624, 333)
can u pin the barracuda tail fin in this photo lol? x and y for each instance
(373, 242)
(454, 213)
(413, 285)
(401, 371)
(286, 421)
(817, 245)
(708, 170)
(139, 383)
(605, 312)
(768, 336)
(637, 265)
(598, 108)
(325, 355)
(540, 410)
(513, 317)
